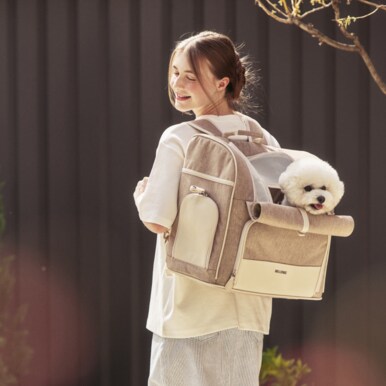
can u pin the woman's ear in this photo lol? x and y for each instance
(223, 83)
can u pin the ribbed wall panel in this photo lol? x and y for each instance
(83, 102)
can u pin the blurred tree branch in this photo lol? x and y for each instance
(344, 15)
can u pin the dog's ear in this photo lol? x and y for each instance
(284, 180)
(340, 189)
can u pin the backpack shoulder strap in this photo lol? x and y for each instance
(205, 126)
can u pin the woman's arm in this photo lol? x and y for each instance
(156, 196)
(140, 188)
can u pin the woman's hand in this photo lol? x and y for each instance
(139, 189)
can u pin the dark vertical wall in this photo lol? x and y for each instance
(83, 101)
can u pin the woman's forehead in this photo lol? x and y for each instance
(181, 61)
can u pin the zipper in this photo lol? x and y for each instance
(236, 149)
(241, 249)
(197, 190)
(208, 177)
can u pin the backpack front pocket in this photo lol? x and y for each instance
(198, 219)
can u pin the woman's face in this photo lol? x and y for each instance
(202, 96)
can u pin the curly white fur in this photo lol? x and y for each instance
(312, 184)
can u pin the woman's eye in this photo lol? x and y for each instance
(308, 188)
(190, 78)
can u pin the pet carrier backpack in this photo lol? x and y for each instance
(231, 231)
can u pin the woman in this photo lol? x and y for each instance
(202, 336)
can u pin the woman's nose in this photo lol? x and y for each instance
(177, 81)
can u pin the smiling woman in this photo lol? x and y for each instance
(194, 324)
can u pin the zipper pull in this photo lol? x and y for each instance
(198, 190)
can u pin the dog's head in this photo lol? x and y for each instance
(312, 184)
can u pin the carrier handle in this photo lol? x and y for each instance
(256, 136)
(207, 127)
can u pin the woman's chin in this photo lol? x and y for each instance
(181, 108)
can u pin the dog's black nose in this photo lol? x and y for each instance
(321, 199)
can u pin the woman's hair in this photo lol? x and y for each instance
(224, 61)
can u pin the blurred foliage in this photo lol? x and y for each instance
(278, 371)
(15, 354)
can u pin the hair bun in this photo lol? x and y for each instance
(240, 77)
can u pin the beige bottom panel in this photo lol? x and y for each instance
(277, 279)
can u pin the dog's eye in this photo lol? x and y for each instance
(308, 188)
(323, 188)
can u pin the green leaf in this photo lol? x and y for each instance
(279, 371)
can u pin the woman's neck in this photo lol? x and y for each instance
(221, 108)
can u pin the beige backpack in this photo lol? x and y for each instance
(231, 231)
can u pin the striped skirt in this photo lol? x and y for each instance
(225, 358)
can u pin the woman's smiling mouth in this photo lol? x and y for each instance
(182, 98)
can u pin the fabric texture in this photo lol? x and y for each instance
(290, 218)
(209, 360)
(181, 307)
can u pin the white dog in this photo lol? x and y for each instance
(311, 184)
